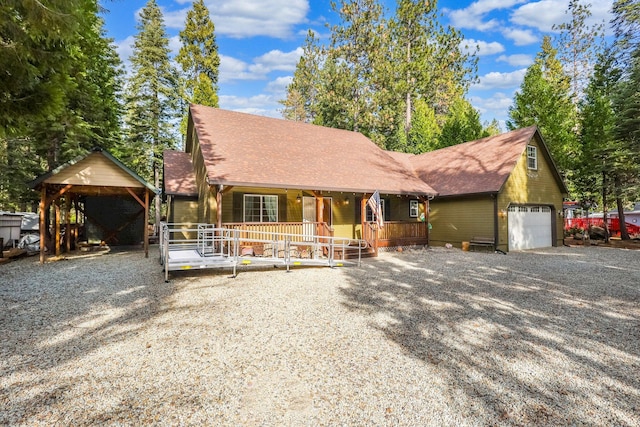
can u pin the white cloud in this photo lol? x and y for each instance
(125, 48)
(472, 16)
(496, 80)
(174, 45)
(540, 15)
(275, 60)
(262, 105)
(248, 18)
(484, 48)
(516, 60)
(279, 86)
(520, 37)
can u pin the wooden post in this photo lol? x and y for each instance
(146, 223)
(57, 226)
(320, 211)
(426, 218)
(42, 225)
(219, 207)
(67, 233)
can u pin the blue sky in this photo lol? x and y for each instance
(259, 42)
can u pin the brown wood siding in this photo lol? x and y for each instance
(95, 170)
(531, 187)
(458, 220)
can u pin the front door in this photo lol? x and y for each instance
(309, 215)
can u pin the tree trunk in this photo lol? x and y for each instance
(605, 207)
(158, 202)
(624, 233)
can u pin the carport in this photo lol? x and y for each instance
(100, 177)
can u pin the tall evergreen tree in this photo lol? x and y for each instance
(578, 46)
(462, 124)
(596, 170)
(374, 72)
(544, 99)
(73, 70)
(151, 98)
(301, 103)
(199, 58)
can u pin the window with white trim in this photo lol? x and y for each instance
(370, 217)
(260, 208)
(532, 157)
(414, 208)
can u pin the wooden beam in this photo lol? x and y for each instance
(59, 193)
(135, 196)
(146, 224)
(43, 233)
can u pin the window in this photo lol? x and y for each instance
(413, 208)
(259, 208)
(370, 217)
(532, 157)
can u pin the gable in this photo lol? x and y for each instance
(94, 170)
(539, 185)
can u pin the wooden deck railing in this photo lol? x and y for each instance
(398, 233)
(250, 230)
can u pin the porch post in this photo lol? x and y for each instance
(425, 202)
(319, 210)
(146, 224)
(219, 207)
(57, 226)
(42, 225)
(67, 233)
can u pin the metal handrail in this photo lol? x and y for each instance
(226, 242)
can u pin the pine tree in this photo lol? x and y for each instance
(462, 124)
(74, 71)
(426, 59)
(199, 58)
(301, 103)
(152, 101)
(544, 99)
(578, 46)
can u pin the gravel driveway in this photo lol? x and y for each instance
(424, 337)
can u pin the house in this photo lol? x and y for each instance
(110, 201)
(505, 188)
(241, 170)
(253, 172)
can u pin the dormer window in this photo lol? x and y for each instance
(532, 157)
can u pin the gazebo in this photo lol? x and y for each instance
(118, 196)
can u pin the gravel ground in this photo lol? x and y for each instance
(424, 337)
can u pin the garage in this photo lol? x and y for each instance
(530, 227)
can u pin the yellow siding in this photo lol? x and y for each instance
(184, 211)
(206, 206)
(530, 187)
(456, 221)
(96, 170)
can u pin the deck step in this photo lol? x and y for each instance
(352, 253)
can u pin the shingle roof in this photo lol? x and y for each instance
(480, 166)
(179, 177)
(248, 150)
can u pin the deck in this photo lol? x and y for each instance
(211, 247)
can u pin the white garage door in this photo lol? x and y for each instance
(529, 227)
